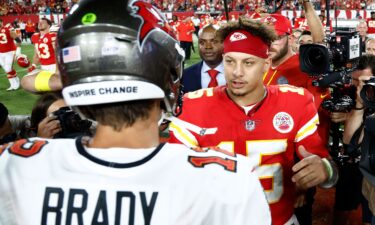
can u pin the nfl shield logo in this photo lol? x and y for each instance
(250, 125)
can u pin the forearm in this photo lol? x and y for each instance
(35, 58)
(314, 23)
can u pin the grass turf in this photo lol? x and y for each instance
(18, 102)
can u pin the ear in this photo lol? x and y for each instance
(267, 64)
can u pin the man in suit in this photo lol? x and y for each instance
(210, 71)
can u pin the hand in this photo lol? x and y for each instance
(310, 171)
(48, 127)
(338, 117)
(31, 68)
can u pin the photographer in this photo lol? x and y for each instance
(6, 131)
(356, 129)
(43, 122)
(50, 118)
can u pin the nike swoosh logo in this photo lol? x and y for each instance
(322, 96)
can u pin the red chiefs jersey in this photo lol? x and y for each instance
(269, 135)
(371, 26)
(185, 31)
(301, 23)
(6, 41)
(44, 47)
(30, 27)
(289, 72)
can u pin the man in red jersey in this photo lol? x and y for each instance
(44, 42)
(301, 22)
(185, 32)
(30, 29)
(44, 54)
(7, 53)
(261, 122)
(285, 67)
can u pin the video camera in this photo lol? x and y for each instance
(332, 66)
(71, 124)
(368, 93)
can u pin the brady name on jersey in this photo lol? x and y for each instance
(73, 184)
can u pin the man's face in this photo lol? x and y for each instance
(357, 74)
(210, 47)
(362, 29)
(244, 73)
(279, 48)
(43, 25)
(305, 39)
(370, 47)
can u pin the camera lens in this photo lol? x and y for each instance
(315, 57)
(370, 92)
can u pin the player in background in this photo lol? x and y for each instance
(285, 69)
(44, 42)
(44, 54)
(8, 52)
(258, 121)
(30, 29)
(123, 175)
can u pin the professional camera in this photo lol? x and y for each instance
(71, 124)
(332, 66)
(368, 93)
(342, 53)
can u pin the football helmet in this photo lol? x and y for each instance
(119, 51)
(23, 61)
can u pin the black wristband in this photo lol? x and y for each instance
(18, 40)
(355, 108)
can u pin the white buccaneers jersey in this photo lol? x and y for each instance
(63, 182)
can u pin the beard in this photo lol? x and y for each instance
(283, 51)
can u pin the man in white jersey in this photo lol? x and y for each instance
(123, 175)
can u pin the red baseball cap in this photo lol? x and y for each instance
(280, 23)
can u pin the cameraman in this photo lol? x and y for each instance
(43, 122)
(6, 131)
(354, 132)
(51, 118)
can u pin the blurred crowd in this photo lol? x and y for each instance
(39, 7)
(11, 7)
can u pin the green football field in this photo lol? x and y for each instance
(21, 102)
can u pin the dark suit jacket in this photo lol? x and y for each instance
(191, 78)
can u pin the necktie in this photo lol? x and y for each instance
(213, 74)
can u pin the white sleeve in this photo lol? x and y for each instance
(244, 203)
(255, 209)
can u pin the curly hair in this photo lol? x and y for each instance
(255, 27)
